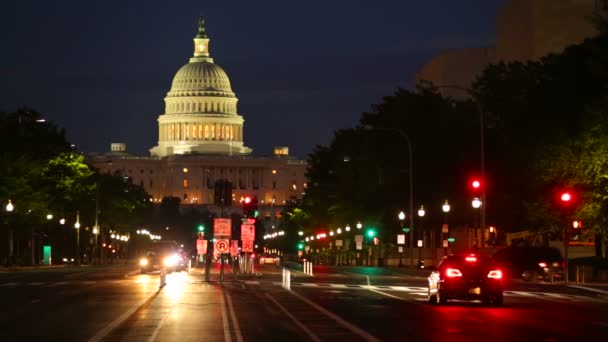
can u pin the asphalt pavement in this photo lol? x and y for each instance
(116, 303)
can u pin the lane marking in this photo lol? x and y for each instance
(235, 321)
(8, 284)
(160, 325)
(132, 273)
(337, 318)
(588, 289)
(225, 324)
(295, 320)
(388, 295)
(121, 319)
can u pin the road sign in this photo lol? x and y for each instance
(201, 246)
(359, 245)
(222, 245)
(338, 243)
(400, 249)
(401, 239)
(358, 238)
(247, 232)
(307, 248)
(247, 246)
(234, 248)
(221, 227)
(419, 243)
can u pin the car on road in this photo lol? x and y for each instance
(269, 259)
(164, 254)
(530, 263)
(466, 277)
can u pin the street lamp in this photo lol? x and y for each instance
(401, 217)
(359, 225)
(476, 203)
(411, 162)
(9, 209)
(77, 226)
(421, 213)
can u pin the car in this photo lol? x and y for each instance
(269, 259)
(531, 263)
(164, 254)
(466, 277)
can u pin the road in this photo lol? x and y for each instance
(116, 303)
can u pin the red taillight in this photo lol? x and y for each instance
(471, 259)
(496, 274)
(452, 272)
(542, 264)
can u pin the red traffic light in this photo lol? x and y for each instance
(247, 200)
(566, 197)
(475, 184)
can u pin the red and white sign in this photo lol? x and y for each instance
(221, 227)
(234, 248)
(222, 246)
(247, 232)
(201, 246)
(401, 239)
(338, 243)
(247, 246)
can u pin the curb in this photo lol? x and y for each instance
(588, 289)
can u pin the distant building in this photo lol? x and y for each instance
(526, 30)
(200, 142)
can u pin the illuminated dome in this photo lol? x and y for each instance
(201, 114)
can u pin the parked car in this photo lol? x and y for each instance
(531, 263)
(466, 277)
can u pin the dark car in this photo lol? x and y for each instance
(164, 254)
(531, 263)
(466, 277)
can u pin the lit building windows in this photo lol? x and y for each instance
(293, 186)
(185, 183)
(206, 131)
(185, 170)
(274, 172)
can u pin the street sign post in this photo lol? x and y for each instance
(247, 246)
(222, 228)
(222, 245)
(359, 238)
(247, 232)
(339, 243)
(201, 246)
(234, 248)
(359, 245)
(401, 239)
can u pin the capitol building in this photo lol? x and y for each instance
(201, 142)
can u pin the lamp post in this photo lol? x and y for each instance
(476, 203)
(9, 209)
(411, 181)
(401, 217)
(481, 147)
(445, 228)
(421, 213)
(77, 226)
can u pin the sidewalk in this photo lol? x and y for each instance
(26, 268)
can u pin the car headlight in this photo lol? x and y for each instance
(143, 262)
(170, 261)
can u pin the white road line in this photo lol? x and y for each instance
(337, 318)
(295, 320)
(118, 321)
(386, 294)
(159, 326)
(132, 273)
(338, 285)
(235, 321)
(475, 319)
(8, 284)
(35, 283)
(59, 283)
(227, 336)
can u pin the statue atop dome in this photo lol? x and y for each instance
(201, 28)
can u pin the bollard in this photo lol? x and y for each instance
(163, 275)
(286, 284)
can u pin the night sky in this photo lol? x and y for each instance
(301, 69)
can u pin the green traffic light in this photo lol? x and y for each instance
(300, 246)
(406, 229)
(201, 228)
(371, 233)
(451, 239)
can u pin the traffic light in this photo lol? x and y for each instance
(201, 228)
(476, 184)
(300, 246)
(250, 206)
(566, 197)
(371, 233)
